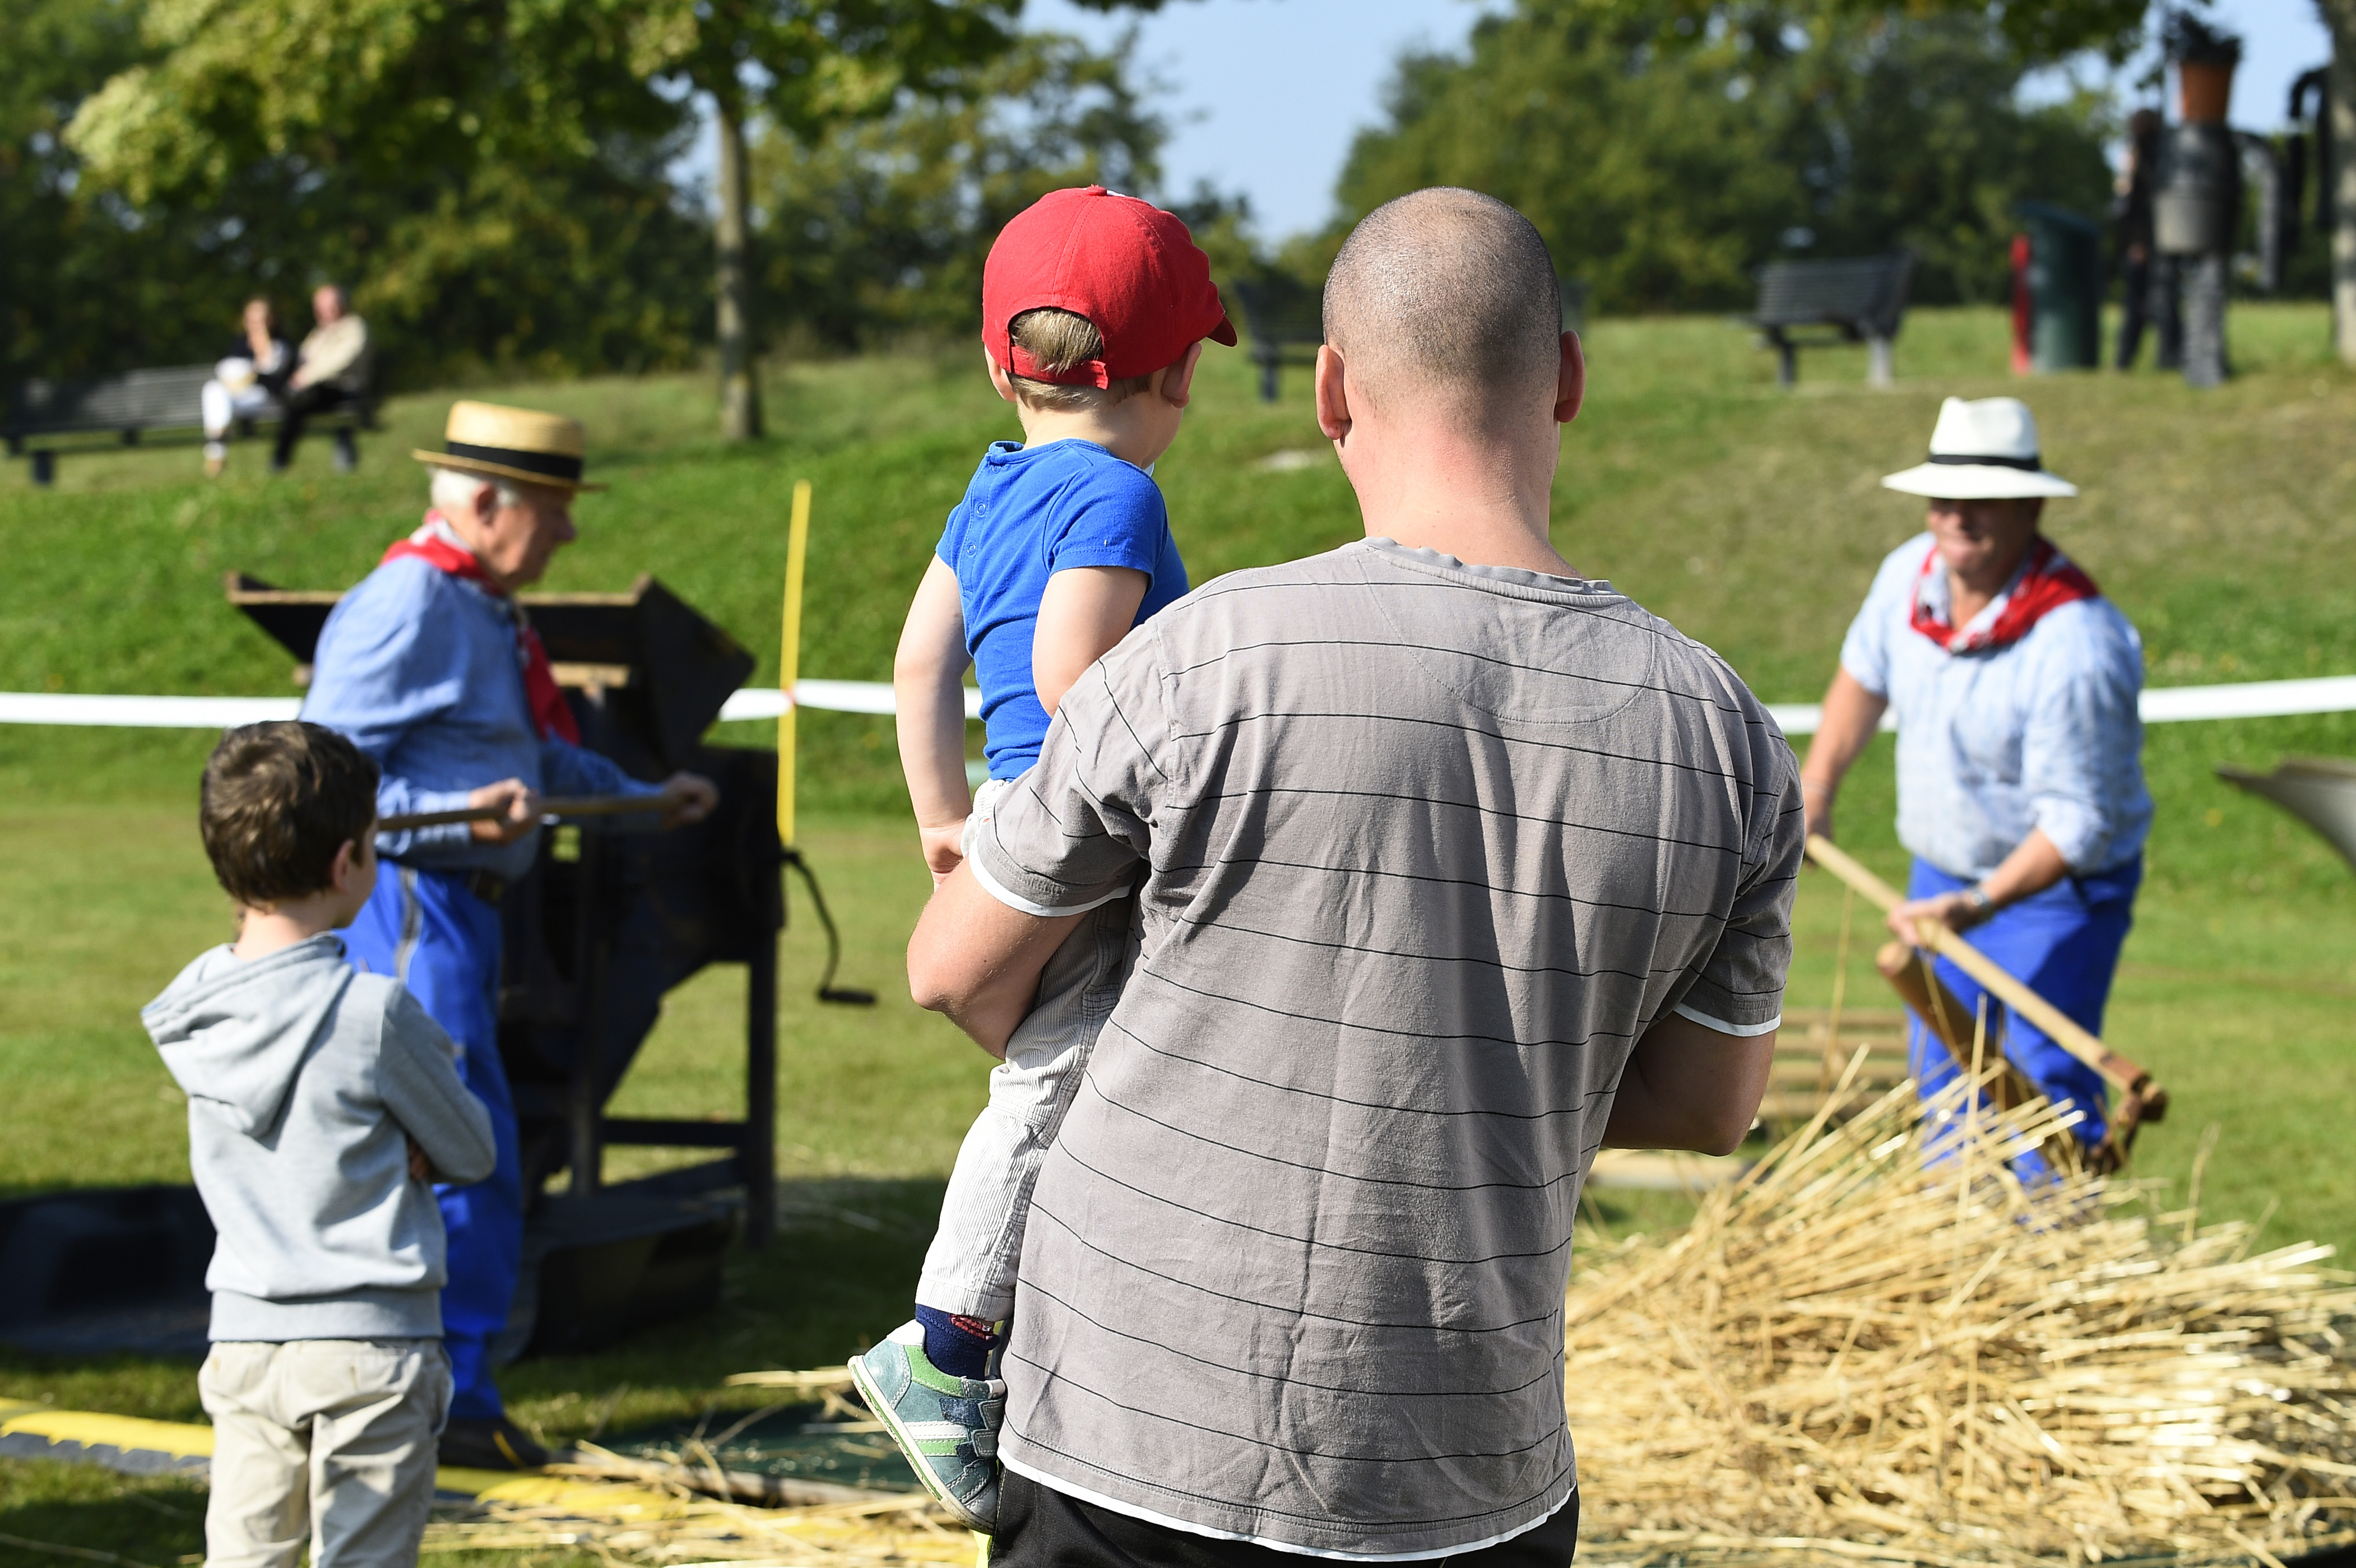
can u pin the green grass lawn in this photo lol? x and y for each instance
(2221, 523)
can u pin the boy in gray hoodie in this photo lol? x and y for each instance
(321, 1103)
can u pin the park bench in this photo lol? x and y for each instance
(1862, 300)
(1287, 321)
(47, 418)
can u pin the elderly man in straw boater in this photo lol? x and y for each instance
(2020, 791)
(430, 666)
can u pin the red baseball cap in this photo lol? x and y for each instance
(1130, 268)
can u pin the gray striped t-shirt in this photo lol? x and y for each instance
(1421, 850)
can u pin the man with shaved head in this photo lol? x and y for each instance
(1446, 866)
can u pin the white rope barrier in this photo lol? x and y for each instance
(227, 712)
(2171, 705)
(2165, 704)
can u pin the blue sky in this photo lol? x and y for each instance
(1265, 94)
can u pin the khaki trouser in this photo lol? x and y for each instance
(329, 1439)
(969, 1267)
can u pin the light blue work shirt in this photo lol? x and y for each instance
(420, 668)
(2040, 734)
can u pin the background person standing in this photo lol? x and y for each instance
(2147, 278)
(2020, 788)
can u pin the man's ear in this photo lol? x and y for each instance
(1177, 381)
(1332, 393)
(1570, 381)
(486, 502)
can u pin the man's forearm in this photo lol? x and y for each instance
(2028, 871)
(2032, 867)
(978, 961)
(1851, 715)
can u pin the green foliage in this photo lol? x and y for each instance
(487, 176)
(2041, 31)
(1665, 176)
(813, 65)
(1646, 172)
(82, 281)
(492, 177)
(1914, 138)
(882, 226)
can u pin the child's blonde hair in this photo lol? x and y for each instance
(1057, 340)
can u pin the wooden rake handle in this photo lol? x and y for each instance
(2065, 1031)
(551, 807)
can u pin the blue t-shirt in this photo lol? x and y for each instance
(1031, 512)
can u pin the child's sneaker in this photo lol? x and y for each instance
(946, 1427)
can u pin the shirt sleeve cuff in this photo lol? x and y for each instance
(1075, 555)
(1013, 900)
(1874, 684)
(2077, 832)
(1744, 1031)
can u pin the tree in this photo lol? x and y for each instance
(1663, 177)
(490, 172)
(808, 69)
(2340, 18)
(882, 227)
(2039, 31)
(414, 127)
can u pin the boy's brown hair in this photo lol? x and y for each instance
(279, 799)
(1057, 340)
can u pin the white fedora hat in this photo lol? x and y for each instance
(1981, 450)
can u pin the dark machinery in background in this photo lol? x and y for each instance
(2319, 791)
(612, 916)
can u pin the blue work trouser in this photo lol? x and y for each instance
(442, 940)
(2063, 943)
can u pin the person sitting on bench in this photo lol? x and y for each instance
(240, 385)
(330, 370)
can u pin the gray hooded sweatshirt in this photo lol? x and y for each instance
(302, 1076)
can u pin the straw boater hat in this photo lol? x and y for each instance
(512, 444)
(1980, 451)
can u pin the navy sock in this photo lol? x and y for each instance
(956, 1344)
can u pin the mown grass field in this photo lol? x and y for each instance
(2221, 523)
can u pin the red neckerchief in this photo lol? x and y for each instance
(436, 544)
(2047, 581)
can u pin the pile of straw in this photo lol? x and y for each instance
(1883, 1344)
(656, 1523)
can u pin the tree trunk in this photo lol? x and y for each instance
(740, 381)
(2339, 16)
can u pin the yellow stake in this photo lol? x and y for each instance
(789, 658)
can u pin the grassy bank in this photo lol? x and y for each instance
(2221, 523)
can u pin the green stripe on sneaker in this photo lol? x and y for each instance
(925, 1372)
